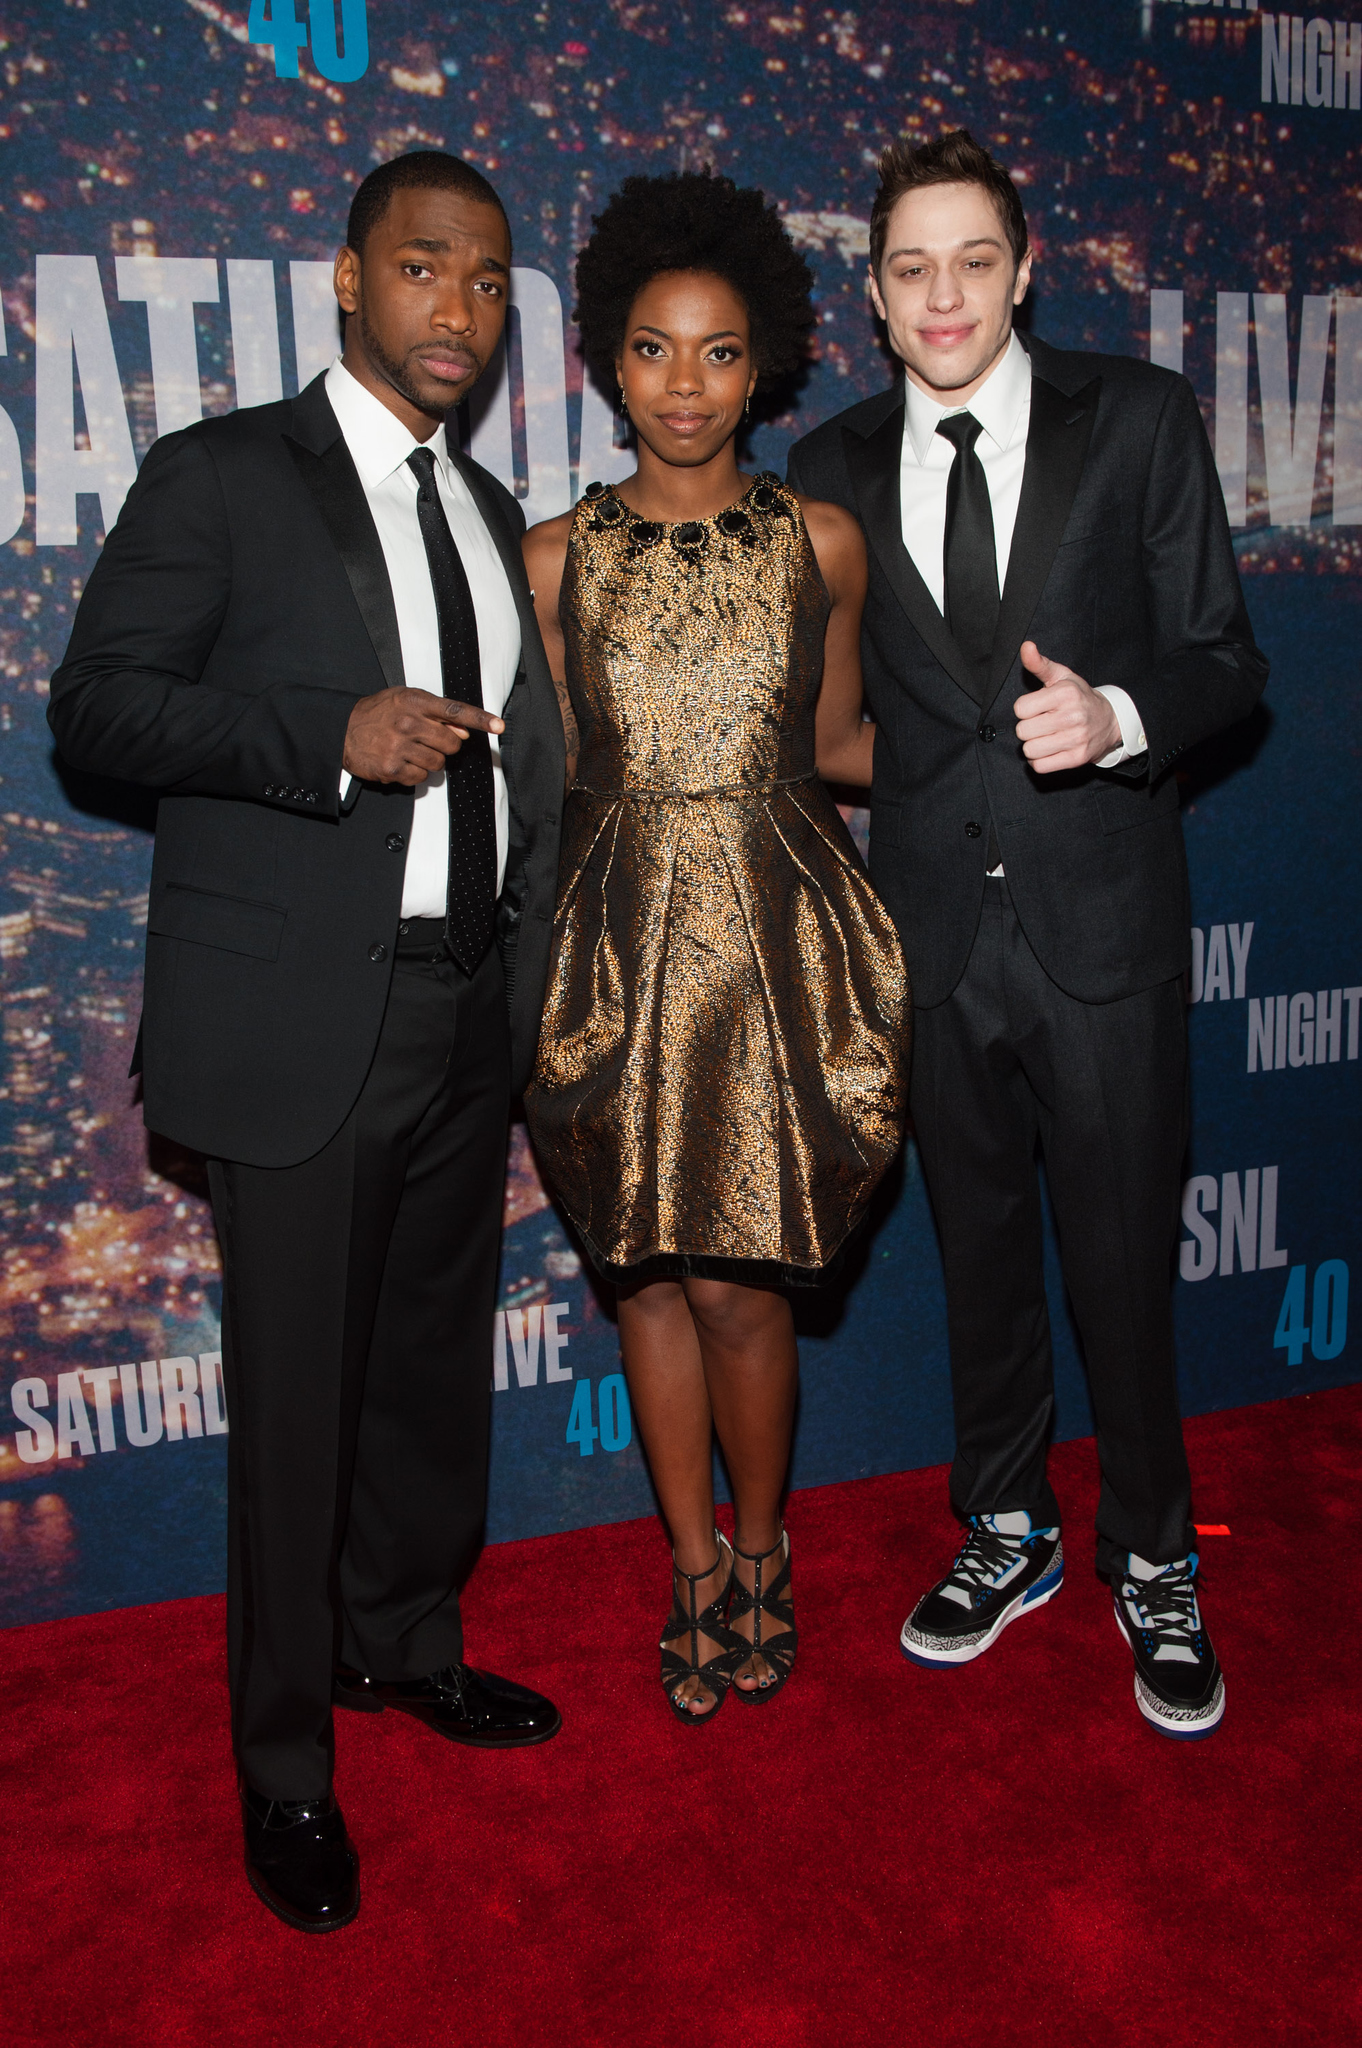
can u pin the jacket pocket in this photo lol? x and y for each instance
(1090, 534)
(1123, 804)
(231, 923)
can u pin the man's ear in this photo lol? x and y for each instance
(875, 298)
(345, 279)
(1023, 283)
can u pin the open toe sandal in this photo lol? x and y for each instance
(717, 1673)
(766, 1602)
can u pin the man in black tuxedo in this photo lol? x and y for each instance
(310, 631)
(1054, 617)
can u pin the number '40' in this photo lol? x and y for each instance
(274, 24)
(616, 1421)
(1327, 1333)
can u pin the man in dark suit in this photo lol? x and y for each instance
(1054, 617)
(311, 632)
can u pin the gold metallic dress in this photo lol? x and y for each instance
(722, 1064)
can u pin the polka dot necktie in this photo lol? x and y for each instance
(970, 555)
(471, 900)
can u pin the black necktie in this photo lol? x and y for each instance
(971, 558)
(472, 896)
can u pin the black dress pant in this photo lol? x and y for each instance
(357, 1342)
(1007, 1065)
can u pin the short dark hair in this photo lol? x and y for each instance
(693, 220)
(954, 159)
(422, 169)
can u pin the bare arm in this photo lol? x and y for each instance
(844, 742)
(545, 551)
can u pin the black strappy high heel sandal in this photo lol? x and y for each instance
(717, 1674)
(765, 1603)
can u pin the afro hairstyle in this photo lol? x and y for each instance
(693, 220)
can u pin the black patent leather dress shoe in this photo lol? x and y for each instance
(300, 1860)
(466, 1705)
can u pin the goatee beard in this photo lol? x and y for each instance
(396, 374)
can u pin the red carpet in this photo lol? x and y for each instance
(991, 1858)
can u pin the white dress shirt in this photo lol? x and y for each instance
(379, 445)
(1002, 406)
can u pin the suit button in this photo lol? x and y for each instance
(972, 831)
(394, 842)
(270, 789)
(310, 796)
(987, 732)
(378, 952)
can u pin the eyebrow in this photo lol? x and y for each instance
(723, 333)
(975, 242)
(437, 247)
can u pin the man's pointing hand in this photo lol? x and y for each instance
(407, 735)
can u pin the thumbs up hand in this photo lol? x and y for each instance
(1064, 724)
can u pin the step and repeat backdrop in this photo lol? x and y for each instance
(174, 184)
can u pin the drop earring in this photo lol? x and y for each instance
(747, 409)
(624, 403)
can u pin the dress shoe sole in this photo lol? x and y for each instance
(304, 1923)
(478, 1741)
(355, 1702)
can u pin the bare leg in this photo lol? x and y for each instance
(701, 1354)
(670, 1400)
(751, 1365)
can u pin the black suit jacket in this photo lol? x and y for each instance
(1121, 565)
(240, 606)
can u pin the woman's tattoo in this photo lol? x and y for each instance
(571, 739)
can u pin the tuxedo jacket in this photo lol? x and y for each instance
(1121, 566)
(240, 607)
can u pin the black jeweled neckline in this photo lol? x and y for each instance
(689, 537)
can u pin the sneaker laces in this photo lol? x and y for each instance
(985, 1559)
(1166, 1610)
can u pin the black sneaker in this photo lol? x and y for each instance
(1004, 1567)
(1178, 1685)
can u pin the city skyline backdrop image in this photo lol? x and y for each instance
(169, 203)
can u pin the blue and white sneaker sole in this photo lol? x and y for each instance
(936, 1654)
(1180, 1724)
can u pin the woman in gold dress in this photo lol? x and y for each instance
(722, 1064)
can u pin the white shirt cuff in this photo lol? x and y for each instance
(1133, 741)
(345, 783)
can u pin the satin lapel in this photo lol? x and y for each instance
(338, 494)
(1056, 448)
(873, 464)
